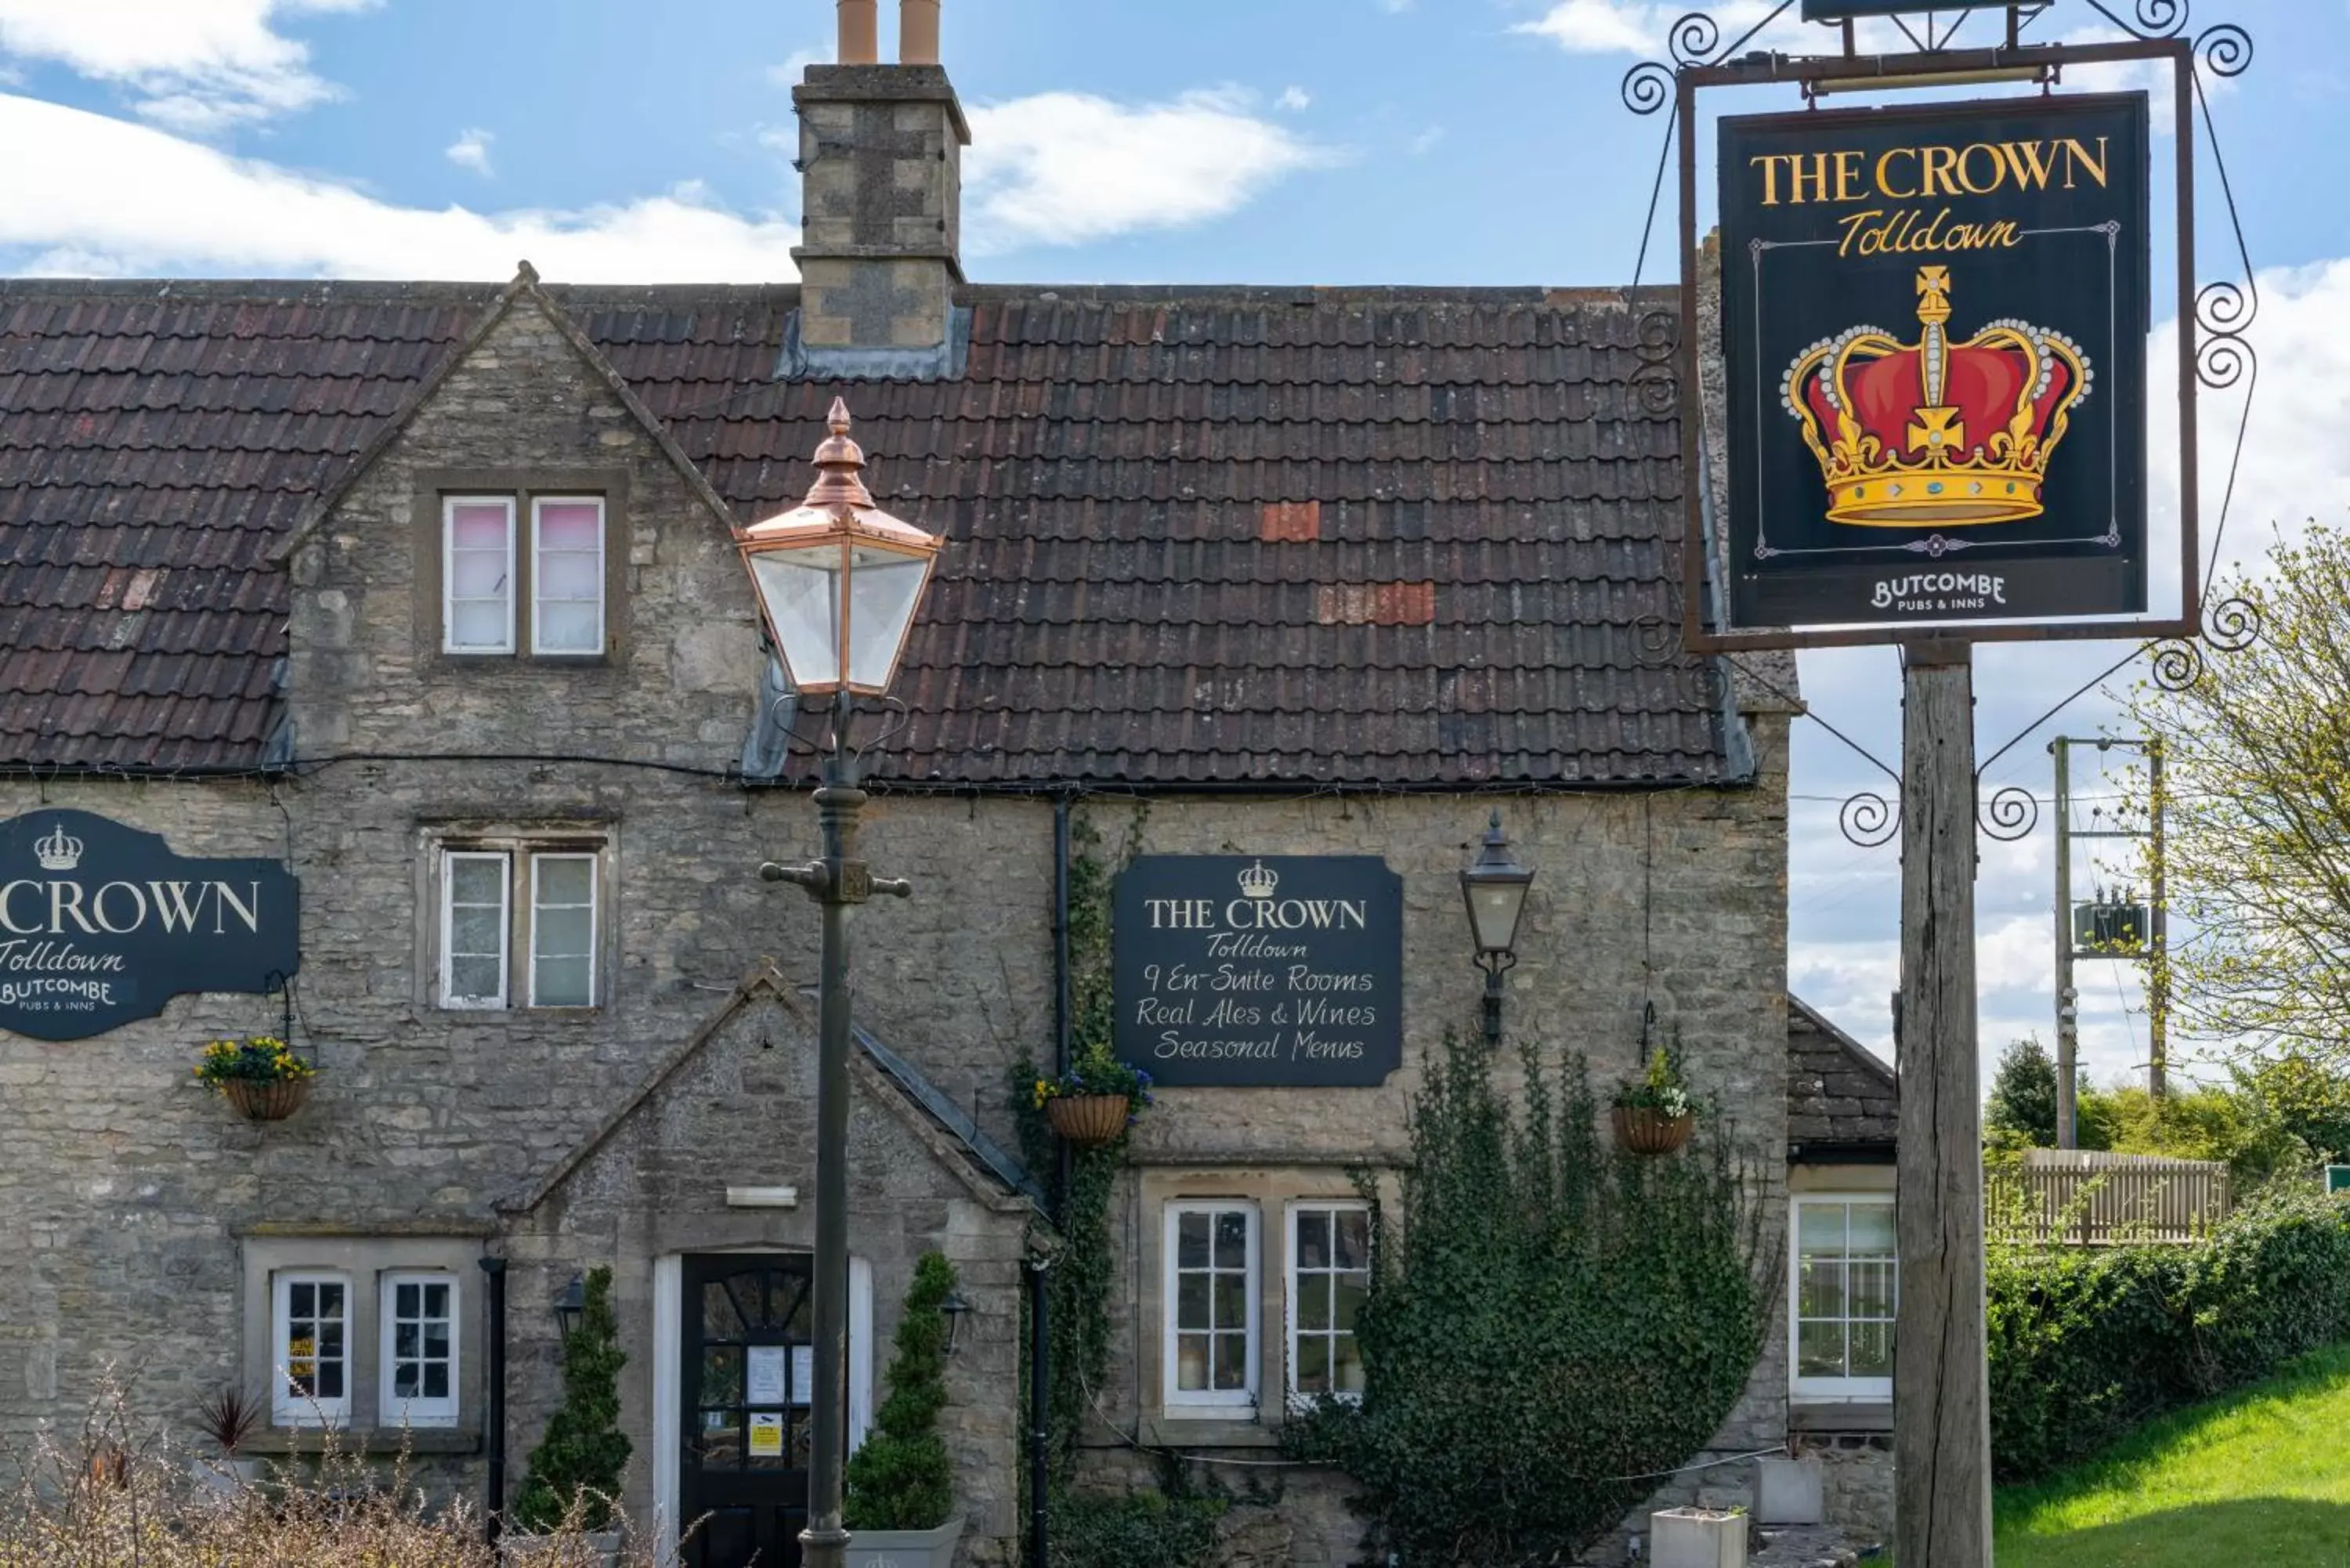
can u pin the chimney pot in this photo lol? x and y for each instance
(860, 32)
(918, 32)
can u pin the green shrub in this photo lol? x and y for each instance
(2087, 1343)
(575, 1471)
(1146, 1530)
(900, 1478)
(1552, 1315)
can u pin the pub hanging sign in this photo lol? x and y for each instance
(1233, 969)
(1934, 325)
(101, 924)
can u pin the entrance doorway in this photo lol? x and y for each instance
(746, 1367)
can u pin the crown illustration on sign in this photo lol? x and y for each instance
(1936, 432)
(58, 851)
(1258, 881)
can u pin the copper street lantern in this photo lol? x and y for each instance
(838, 580)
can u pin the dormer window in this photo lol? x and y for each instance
(523, 572)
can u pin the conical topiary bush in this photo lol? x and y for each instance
(900, 1480)
(577, 1463)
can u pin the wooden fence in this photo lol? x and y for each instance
(2086, 1199)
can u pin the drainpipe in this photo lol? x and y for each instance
(1064, 1022)
(1040, 1369)
(495, 1500)
(1040, 1394)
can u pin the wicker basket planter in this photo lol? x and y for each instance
(1089, 1121)
(1645, 1131)
(267, 1100)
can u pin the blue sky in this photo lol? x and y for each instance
(1412, 142)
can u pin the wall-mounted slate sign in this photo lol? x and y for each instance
(101, 924)
(1935, 323)
(1231, 968)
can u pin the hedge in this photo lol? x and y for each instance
(2087, 1343)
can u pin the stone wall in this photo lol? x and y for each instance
(737, 1108)
(1856, 1483)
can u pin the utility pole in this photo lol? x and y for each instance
(2068, 998)
(2152, 942)
(1942, 1426)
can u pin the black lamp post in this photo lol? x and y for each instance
(838, 580)
(1494, 888)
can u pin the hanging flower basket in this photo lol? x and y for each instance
(1645, 1131)
(267, 1102)
(260, 1076)
(1096, 1100)
(1655, 1113)
(1089, 1121)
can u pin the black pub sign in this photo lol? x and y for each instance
(101, 924)
(1233, 969)
(1934, 321)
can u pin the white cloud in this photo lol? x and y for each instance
(1295, 98)
(1066, 167)
(789, 74)
(111, 197)
(472, 150)
(1645, 27)
(201, 67)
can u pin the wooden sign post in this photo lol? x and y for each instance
(1930, 432)
(1941, 1407)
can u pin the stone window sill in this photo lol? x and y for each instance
(1206, 1432)
(363, 1441)
(1875, 1417)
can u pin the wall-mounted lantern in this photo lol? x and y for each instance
(1494, 889)
(954, 1309)
(570, 1307)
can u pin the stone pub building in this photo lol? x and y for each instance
(400, 629)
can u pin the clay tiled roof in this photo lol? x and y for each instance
(1211, 536)
(156, 440)
(1838, 1092)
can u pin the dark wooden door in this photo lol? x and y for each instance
(747, 1363)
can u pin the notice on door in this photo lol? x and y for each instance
(1277, 969)
(766, 1436)
(764, 1375)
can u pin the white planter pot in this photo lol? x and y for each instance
(224, 1475)
(904, 1548)
(1789, 1491)
(1697, 1538)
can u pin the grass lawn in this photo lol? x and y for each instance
(2261, 1477)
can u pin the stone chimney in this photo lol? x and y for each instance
(881, 165)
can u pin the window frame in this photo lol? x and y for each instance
(1174, 1399)
(449, 646)
(1833, 1390)
(1293, 1211)
(285, 1408)
(529, 945)
(538, 502)
(422, 1410)
(445, 897)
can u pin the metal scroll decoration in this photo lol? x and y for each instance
(1655, 348)
(1869, 819)
(1694, 40)
(2011, 814)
